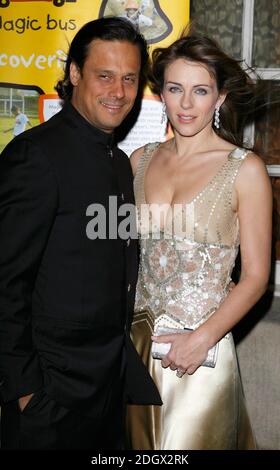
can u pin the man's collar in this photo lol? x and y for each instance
(100, 137)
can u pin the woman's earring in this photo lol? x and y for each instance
(217, 118)
(163, 114)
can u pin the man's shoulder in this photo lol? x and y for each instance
(39, 140)
(44, 130)
(122, 153)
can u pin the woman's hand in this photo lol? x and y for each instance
(188, 351)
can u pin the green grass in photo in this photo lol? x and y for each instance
(7, 122)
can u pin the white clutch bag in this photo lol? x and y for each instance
(161, 349)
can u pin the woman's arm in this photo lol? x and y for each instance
(254, 198)
(253, 190)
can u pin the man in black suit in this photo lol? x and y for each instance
(67, 364)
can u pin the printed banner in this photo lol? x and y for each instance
(34, 40)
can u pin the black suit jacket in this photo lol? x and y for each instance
(66, 300)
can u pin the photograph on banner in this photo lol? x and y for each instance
(18, 112)
(35, 37)
(146, 15)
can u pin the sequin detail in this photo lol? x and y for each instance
(184, 278)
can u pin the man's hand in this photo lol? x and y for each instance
(22, 401)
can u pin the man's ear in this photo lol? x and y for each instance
(75, 74)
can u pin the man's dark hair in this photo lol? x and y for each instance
(106, 29)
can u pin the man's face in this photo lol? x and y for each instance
(105, 91)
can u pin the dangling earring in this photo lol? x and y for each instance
(217, 118)
(163, 114)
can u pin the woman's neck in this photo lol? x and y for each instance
(203, 141)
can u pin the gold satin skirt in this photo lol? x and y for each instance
(202, 411)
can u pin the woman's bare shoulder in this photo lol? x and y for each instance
(253, 175)
(135, 157)
(253, 165)
(137, 154)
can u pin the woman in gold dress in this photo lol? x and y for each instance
(199, 196)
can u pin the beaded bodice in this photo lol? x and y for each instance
(186, 268)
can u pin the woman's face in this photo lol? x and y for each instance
(191, 96)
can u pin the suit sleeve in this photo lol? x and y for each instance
(28, 202)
